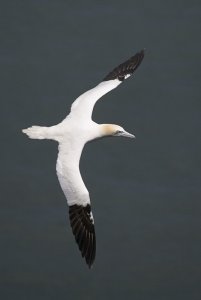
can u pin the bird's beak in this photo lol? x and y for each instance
(127, 134)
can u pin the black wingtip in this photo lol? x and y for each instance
(81, 221)
(127, 68)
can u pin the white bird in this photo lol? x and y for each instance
(72, 134)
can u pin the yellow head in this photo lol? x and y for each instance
(114, 130)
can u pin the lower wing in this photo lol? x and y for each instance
(81, 218)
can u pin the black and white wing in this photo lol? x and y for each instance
(82, 107)
(77, 195)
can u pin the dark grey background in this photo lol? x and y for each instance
(145, 193)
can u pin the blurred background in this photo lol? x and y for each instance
(145, 193)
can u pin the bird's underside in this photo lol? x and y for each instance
(81, 218)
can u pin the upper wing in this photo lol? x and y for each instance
(81, 218)
(83, 105)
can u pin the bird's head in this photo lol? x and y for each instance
(114, 130)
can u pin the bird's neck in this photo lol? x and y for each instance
(106, 129)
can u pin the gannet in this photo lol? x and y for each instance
(72, 134)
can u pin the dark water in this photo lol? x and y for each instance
(145, 193)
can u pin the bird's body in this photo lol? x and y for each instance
(72, 134)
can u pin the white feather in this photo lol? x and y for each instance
(83, 106)
(71, 144)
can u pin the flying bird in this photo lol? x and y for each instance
(72, 134)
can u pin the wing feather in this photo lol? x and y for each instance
(83, 106)
(80, 215)
(85, 232)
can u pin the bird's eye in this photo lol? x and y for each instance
(118, 131)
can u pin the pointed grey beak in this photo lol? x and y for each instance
(127, 134)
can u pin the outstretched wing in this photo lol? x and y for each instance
(82, 107)
(77, 195)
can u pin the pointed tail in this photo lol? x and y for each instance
(37, 132)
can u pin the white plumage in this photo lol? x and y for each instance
(72, 134)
